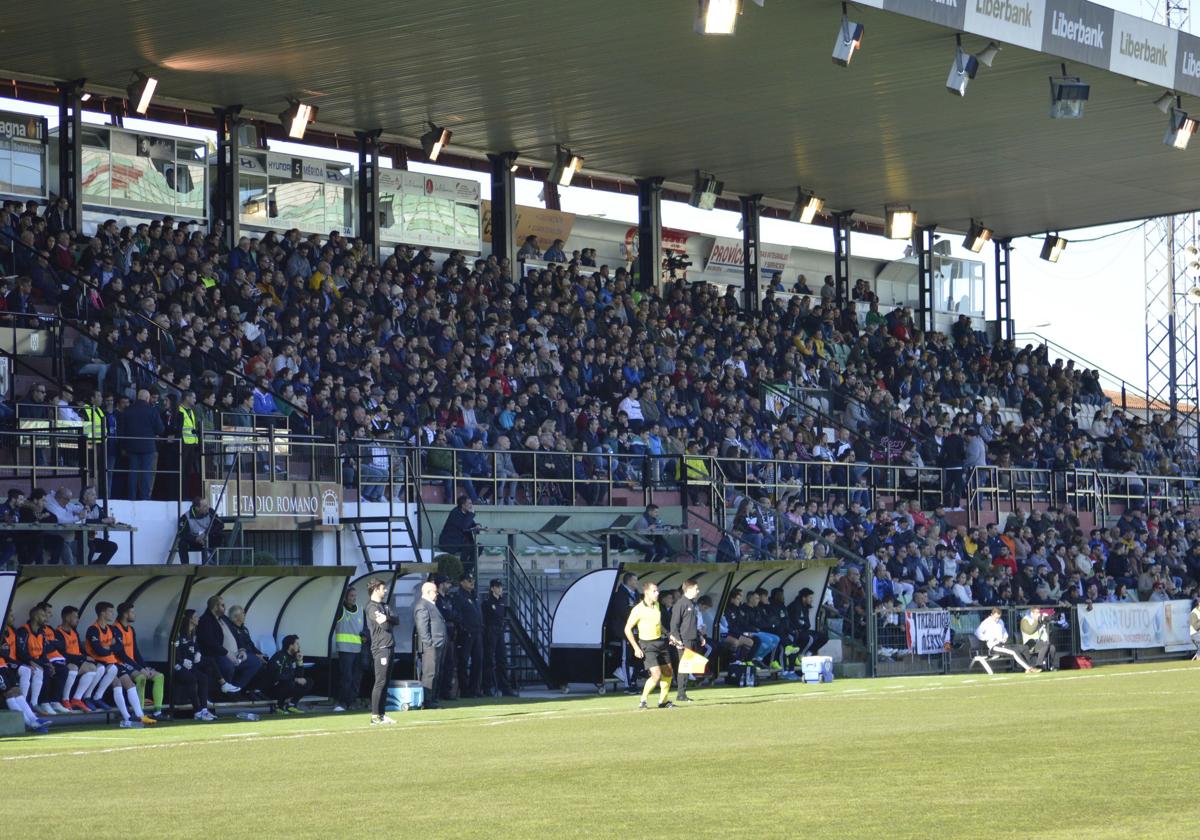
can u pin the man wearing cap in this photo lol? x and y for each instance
(495, 664)
(469, 642)
(431, 641)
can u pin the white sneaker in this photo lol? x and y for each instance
(131, 724)
(386, 721)
(46, 709)
(61, 709)
(230, 688)
(200, 715)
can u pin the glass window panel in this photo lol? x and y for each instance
(96, 175)
(252, 196)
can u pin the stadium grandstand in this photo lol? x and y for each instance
(256, 367)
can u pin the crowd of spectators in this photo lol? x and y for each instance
(469, 353)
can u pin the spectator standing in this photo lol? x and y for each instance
(139, 428)
(458, 534)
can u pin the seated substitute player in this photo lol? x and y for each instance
(82, 674)
(35, 668)
(56, 653)
(104, 645)
(133, 656)
(651, 645)
(10, 682)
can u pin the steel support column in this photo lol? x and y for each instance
(841, 255)
(226, 203)
(649, 253)
(924, 243)
(1004, 323)
(504, 206)
(70, 152)
(751, 210)
(368, 190)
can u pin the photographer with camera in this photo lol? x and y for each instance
(1035, 634)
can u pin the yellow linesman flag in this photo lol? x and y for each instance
(691, 662)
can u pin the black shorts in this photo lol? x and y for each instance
(9, 678)
(657, 653)
(124, 669)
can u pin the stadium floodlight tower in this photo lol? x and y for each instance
(1172, 271)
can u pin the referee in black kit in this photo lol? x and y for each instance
(379, 623)
(685, 631)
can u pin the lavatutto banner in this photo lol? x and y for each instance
(1149, 624)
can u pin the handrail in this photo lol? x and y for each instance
(150, 323)
(1071, 356)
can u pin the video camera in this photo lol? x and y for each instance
(675, 262)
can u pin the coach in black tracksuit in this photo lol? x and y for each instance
(380, 620)
(685, 631)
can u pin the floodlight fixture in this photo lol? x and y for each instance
(1180, 128)
(806, 208)
(962, 70)
(1053, 247)
(141, 91)
(900, 221)
(566, 165)
(434, 140)
(296, 117)
(977, 236)
(705, 190)
(849, 39)
(717, 17)
(1067, 96)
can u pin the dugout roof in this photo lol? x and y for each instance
(632, 88)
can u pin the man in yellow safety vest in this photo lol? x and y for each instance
(186, 427)
(348, 642)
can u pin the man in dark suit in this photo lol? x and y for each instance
(139, 427)
(685, 631)
(431, 640)
(618, 612)
(458, 534)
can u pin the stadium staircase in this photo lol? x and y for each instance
(529, 617)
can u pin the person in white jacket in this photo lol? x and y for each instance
(992, 633)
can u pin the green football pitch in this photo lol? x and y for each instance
(1106, 753)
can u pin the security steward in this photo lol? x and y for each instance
(94, 429)
(349, 633)
(685, 631)
(379, 622)
(495, 663)
(431, 641)
(469, 644)
(186, 429)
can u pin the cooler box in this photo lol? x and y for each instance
(403, 695)
(816, 669)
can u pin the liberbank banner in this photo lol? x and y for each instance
(1076, 30)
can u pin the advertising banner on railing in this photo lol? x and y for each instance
(1152, 624)
(928, 631)
(279, 505)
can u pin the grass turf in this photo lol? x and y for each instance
(1105, 753)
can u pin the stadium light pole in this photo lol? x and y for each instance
(368, 189)
(70, 150)
(504, 205)
(751, 211)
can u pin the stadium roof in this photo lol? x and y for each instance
(632, 88)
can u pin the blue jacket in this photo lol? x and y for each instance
(142, 425)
